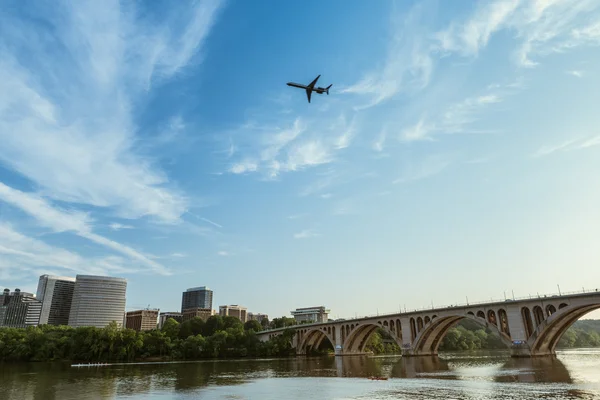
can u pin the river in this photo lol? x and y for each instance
(573, 374)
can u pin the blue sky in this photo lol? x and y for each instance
(456, 156)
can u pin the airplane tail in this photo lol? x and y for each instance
(327, 89)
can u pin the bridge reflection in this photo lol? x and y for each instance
(498, 369)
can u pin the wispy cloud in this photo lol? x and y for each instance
(567, 145)
(305, 234)
(408, 65)
(380, 142)
(456, 117)
(211, 222)
(115, 226)
(292, 146)
(178, 255)
(75, 132)
(223, 253)
(576, 73)
(24, 255)
(297, 216)
(541, 27)
(419, 131)
(70, 221)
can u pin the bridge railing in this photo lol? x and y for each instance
(475, 303)
(457, 305)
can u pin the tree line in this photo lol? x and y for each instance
(191, 340)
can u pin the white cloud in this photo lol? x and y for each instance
(455, 118)
(178, 255)
(292, 146)
(380, 142)
(21, 256)
(69, 221)
(244, 166)
(547, 150)
(211, 222)
(575, 73)
(297, 216)
(115, 226)
(223, 253)
(594, 141)
(66, 119)
(305, 234)
(468, 38)
(408, 65)
(567, 145)
(419, 131)
(540, 27)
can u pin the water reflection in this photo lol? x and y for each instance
(477, 376)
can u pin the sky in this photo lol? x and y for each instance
(456, 157)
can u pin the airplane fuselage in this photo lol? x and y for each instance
(319, 90)
(310, 87)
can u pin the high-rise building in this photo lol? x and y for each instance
(141, 320)
(19, 309)
(233, 311)
(191, 313)
(257, 317)
(56, 295)
(165, 315)
(198, 297)
(97, 301)
(311, 314)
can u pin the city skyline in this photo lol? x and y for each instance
(455, 157)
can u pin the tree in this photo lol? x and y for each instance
(252, 324)
(213, 324)
(171, 328)
(265, 323)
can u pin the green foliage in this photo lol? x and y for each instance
(193, 339)
(380, 342)
(468, 335)
(282, 322)
(254, 325)
(583, 333)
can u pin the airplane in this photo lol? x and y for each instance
(311, 87)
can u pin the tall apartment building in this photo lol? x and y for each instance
(56, 295)
(97, 301)
(310, 314)
(141, 320)
(19, 309)
(233, 311)
(190, 313)
(165, 315)
(198, 297)
(257, 317)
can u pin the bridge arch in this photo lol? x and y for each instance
(312, 338)
(359, 336)
(544, 339)
(428, 341)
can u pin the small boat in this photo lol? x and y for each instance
(378, 378)
(89, 365)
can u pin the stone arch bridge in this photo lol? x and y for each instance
(528, 327)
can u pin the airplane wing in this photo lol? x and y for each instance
(308, 93)
(312, 84)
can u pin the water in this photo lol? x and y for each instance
(573, 374)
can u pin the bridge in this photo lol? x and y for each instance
(528, 326)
